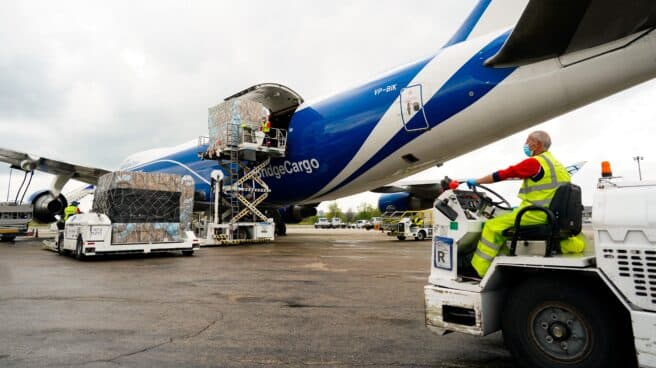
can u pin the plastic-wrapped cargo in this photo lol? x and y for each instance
(239, 114)
(145, 207)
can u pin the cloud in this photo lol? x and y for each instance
(93, 82)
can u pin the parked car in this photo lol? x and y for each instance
(375, 223)
(362, 224)
(322, 223)
(336, 223)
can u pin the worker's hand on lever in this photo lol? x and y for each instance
(471, 183)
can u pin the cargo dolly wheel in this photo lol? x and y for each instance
(79, 255)
(60, 244)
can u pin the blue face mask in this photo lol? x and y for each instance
(528, 151)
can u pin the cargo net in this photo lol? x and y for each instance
(128, 205)
(137, 197)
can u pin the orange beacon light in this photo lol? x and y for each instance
(606, 172)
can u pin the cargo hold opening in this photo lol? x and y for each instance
(281, 101)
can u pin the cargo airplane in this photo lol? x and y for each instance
(511, 64)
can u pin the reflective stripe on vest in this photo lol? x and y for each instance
(484, 256)
(540, 193)
(68, 211)
(490, 245)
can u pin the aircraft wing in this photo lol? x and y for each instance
(419, 188)
(27, 162)
(552, 28)
(575, 167)
(430, 188)
(79, 193)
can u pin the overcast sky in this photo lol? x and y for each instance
(92, 82)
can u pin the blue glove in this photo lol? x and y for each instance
(471, 183)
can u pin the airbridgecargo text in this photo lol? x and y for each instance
(287, 167)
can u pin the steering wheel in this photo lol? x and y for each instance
(497, 204)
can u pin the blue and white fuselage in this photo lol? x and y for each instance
(335, 141)
(374, 133)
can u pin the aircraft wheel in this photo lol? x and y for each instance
(281, 229)
(552, 323)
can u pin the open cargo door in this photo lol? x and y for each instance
(280, 100)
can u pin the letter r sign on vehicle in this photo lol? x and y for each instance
(442, 253)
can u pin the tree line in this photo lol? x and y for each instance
(365, 211)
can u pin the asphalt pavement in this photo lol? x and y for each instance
(315, 298)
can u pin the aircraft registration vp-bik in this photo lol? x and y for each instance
(510, 65)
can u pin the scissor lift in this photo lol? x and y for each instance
(242, 149)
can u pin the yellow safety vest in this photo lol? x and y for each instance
(266, 126)
(540, 193)
(69, 211)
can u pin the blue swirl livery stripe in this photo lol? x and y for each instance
(471, 82)
(468, 25)
(331, 132)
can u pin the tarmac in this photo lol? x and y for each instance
(314, 298)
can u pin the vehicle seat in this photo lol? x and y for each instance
(564, 218)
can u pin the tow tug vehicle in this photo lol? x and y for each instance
(408, 228)
(594, 309)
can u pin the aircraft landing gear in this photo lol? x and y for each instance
(281, 228)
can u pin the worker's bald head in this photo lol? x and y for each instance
(542, 138)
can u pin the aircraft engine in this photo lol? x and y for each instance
(46, 206)
(403, 201)
(294, 214)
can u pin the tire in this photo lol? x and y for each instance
(421, 235)
(78, 249)
(558, 323)
(188, 253)
(60, 244)
(281, 229)
(7, 238)
(400, 237)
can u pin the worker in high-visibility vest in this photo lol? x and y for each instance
(542, 175)
(71, 210)
(417, 220)
(266, 128)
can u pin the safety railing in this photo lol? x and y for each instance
(243, 136)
